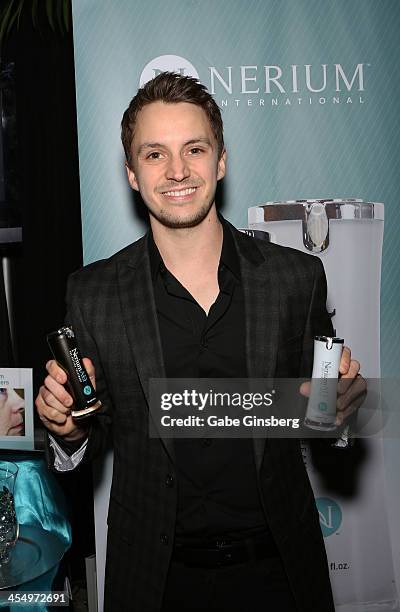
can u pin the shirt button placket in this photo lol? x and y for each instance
(169, 480)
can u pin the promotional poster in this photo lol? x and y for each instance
(16, 409)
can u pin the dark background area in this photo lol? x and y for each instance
(48, 201)
(48, 181)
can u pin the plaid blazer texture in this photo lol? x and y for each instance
(111, 307)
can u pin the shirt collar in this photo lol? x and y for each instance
(229, 256)
(156, 261)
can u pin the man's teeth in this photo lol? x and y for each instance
(181, 192)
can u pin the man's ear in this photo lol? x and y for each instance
(221, 165)
(131, 177)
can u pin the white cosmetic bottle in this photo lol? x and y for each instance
(321, 407)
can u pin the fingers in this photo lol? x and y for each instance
(351, 392)
(56, 372)
(90, 370)
(351, 389)
(345, 360)
(54, 403)
(305, 388)
(55, 411)
(347, 380)
(344, 412)
(55, 421)
(351, 400)
(348, 370)
(355, 390)
(56, 395)
(50, 408)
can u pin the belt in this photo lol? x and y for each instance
(222, 552)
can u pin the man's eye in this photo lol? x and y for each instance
(195, 150)
(154, 155)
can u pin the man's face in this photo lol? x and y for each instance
(175, 163)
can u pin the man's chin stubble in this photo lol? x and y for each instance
(175, 222)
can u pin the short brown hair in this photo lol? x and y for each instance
(170, 88)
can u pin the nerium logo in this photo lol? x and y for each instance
(330, 515)
(271, 85)
(170, 63)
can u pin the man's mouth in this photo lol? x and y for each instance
(177, 193)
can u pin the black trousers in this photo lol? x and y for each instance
(256, 586)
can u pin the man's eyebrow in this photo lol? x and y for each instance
(196, 140)
(149, 145)
(157, 145)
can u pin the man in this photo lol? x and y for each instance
(195, 524)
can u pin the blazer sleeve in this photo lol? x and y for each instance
(100, 423)
(318, 321)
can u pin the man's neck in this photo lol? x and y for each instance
(193, 249)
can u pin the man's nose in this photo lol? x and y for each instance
(177, 168)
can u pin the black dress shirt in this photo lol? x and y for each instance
(217, 485)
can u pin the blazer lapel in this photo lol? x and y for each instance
(261, 294)
(140, 318)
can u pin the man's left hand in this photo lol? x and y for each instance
(351, 390)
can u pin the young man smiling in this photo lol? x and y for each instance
(195, 524)
(175, 163)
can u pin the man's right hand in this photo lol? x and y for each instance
(54, 403)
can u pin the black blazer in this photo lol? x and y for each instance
(111, 307)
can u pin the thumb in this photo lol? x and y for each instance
(305, 388)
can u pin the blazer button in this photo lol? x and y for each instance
(169, 480)
(164, 539)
